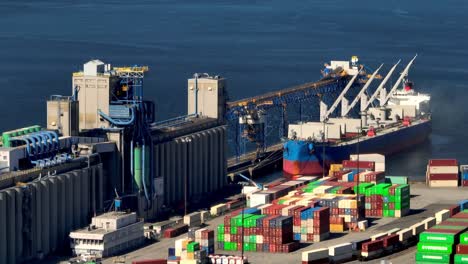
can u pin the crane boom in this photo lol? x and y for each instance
(402, 75)
(381, 85)
(343, 93)
(362, 91)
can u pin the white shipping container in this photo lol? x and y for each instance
(405, 234)
(443, 170)
(218, 209)
(368, 157)
(307, 179)
(439, 183)
(377, 158)
(442, 215)
(429, 222)
(378, 236)
(260, 198)
(393, 231)
(340, 249)
(417, 228)
(315, 254)
(363, 225)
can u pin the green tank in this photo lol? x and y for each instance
(137, 168)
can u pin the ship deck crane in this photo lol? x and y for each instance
(402, 75)
(381, 86)
(340, 97)
(361, 93)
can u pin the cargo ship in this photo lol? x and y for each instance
(399, 119)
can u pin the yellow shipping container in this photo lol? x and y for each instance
(336, 228)
(190, 255)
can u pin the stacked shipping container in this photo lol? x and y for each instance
(442, 173)
(439, 243)
(187, 251)
(461, 255)
(386, 200)
(261, 233)
(464, 175)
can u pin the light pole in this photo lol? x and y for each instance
(186, 140)
(323, 150)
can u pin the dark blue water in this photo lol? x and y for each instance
(259, 46)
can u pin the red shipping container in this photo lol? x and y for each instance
(443, 162)
(450, 223)
(259, 247)
(461, 215)
(391, 240)
(443, 177)
(464, 183)
(462, 249)
(454, 210)
(150, 261)
(372, 246)
(351, 164)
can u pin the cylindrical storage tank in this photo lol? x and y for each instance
(176, 184)
(85, 204)
(100, 196)
(76, 199)
(11, 226)
(45, 216)
(61, 210)
(3, 227)
(213, 161)
(205, 176)
(53, 208)
(68, 203)
(137, 168)
(19, 222)
(147, 175)
(37, 218)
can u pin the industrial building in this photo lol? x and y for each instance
(108, 234)
(100, 143)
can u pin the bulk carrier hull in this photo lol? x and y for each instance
(306, 157)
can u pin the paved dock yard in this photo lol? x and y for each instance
(425, 202)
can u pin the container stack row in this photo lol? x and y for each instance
(206, 239)
(444, 242)
(256, 232)
(386, 200)
(464, 175)
(187, 251)
(277, 191)
(345, 212)
(442, 173)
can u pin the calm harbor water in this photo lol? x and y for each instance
(259, 46)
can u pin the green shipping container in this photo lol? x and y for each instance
(431, 247)
(391, 213)
(220, 237)
(221, 228)
(437, 237)
(464, 238)
(381, 188)
(252, 238)
(461, 259)
(396, 179)
(432, 257)
(233, 230)
(193, 246)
